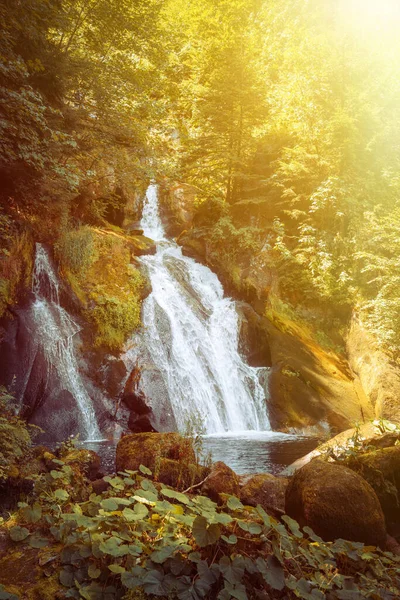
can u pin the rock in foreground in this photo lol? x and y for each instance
(336, 503)
(266, 490)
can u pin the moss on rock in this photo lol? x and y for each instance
(266, 490)
(336, 503)
(149, 448)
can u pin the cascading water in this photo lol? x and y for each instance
(191, 333)
(55, 329)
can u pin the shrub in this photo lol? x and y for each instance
(141, 540)
(76, 250)
(15, 437)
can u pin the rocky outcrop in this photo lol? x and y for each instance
(221, 480)
(380, 378)
(266, 490)
(308, 385)
(381, 468)
(169, 456)
(336, 503)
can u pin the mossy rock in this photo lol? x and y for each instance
(266, 490)
(149, 448)
(221, 480)
(179, 474)
(381, 468)
(336, 503)
(85, 461)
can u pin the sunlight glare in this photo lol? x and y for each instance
(377, 14)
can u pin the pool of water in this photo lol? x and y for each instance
(248, 452)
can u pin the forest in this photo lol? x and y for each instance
(199, 240)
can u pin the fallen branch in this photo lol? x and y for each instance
(193, 487)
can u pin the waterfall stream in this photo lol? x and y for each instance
(55, 329)
(191, 332)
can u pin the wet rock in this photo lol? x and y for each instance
(221, 480)
(132, 398)
(99, 486)
(113, 374)
(266, 490)
(254, 337)
(87, 461)
(146, 449)
(381, 468)
(140, 424)
(141, 244)
(336, 503)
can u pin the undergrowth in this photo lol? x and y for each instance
(15, 437)
(142, 539)
(16, 261)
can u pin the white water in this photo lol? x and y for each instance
(55, 330)
(192, 335)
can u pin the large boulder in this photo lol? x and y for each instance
(381, 468)
(266, 490)
(221, 480)
(87, 462)
(336, 503)
(148, 449)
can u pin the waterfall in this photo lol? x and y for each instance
(191, 332)
(55, 329)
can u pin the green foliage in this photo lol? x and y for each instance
(76, 250)
(15, 437)
(177, 546)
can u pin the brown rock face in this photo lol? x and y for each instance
(266, 490)
(381, 468)
(149, 448)
(336, 503)
(221, 480)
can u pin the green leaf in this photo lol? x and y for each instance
(234, 503)
(313, 536)
(93, 571)
(232, 539)
(272, 572)
(145, 470)
(4, 595)
(161, 555)
(109, 504)
(32, 514)
(176, 495)
(157, 583)
(116, 569)
(265, 516)
(205, 534)
(146, 494)
(139, 512)
(232, 571)
(293, 526)
(250, 526)
(38, 542)
(66, 577)
(113, 547)
(18, 534)
(61, 495)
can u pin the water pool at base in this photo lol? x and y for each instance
(249, 452)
